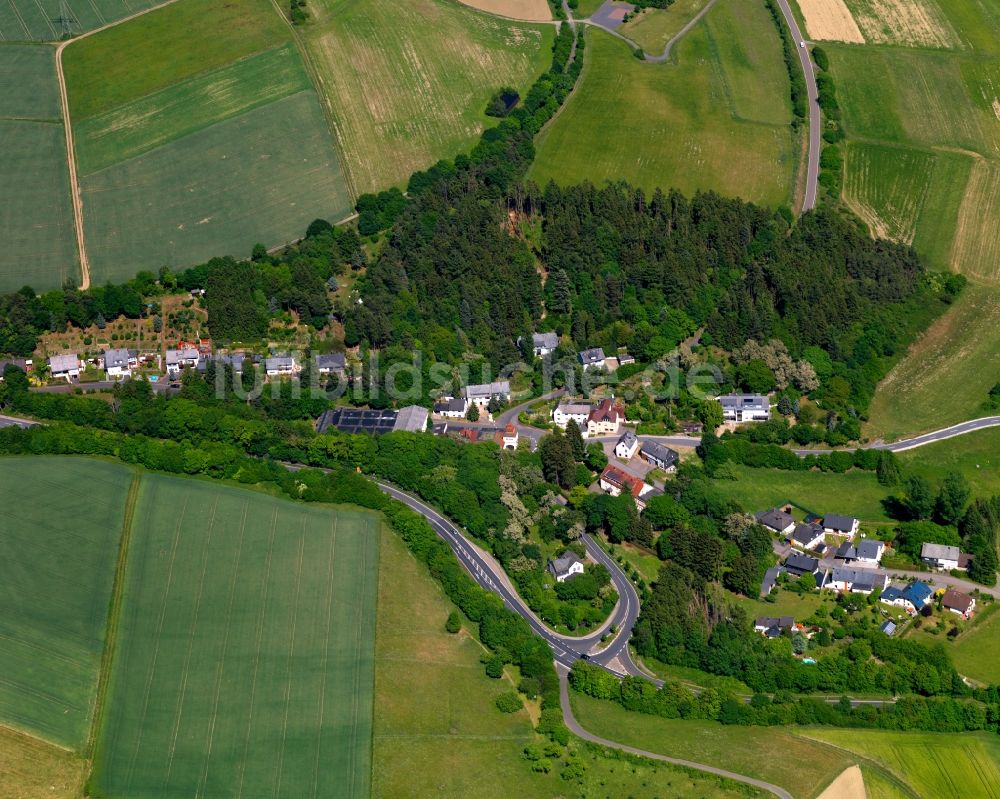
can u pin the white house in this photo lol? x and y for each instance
(592, 359)
(858, 581)
(452, 407)
(605, 419)
(627, 445)
(542, 343)
(807, 536)
(661, 457)
(911, 598)
(775, 520)
(331, 363)
(745, 408)
(279, 365)
(940, 556)
(508, 437)
(870, 551)
(835, 524)
(578, 412)
(481, 394)
(181, 359)
(565, 566)
(120, 363)
(64, 366)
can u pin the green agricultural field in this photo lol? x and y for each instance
(57, 570)
(715, 117)
(44, 20)
(131, 61)
(586, 8)
(654, 27)
(975, 455)
(976, 652)
(183, 108)
(945, 766)
(215, 192)
(198, 134)
(748, 750)
(437, 731)
(408, 83)
(947, 374)
(36, 217)
(245, 649)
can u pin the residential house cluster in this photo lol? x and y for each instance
(603, 419)
(479, 395)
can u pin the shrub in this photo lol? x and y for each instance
(454, 623)
(508, 702)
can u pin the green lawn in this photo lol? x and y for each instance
(975, 455)
(947, 374)
(715, 117)
(245, 657)
(154, 120)
(437, 732)
(36, 218)
(976, 652)
(800, 766)
(855, 493)
(41, 20)
(408, 83)
(167, 46)
(60, 537)
(787, 603)
(943, 766)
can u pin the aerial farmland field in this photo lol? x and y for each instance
(245, 649)
(36, 218)
(716, 116)
(57, 571)
(408, 83)
(197, 133)
(43, 20)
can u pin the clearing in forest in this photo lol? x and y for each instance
(830, 20)
(916, 23)
(408, 83)
(245, 651)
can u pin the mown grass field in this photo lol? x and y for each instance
(715, 117)
(437, 731)
(245, 648)
(976, 652)
(947, 374)
(747, 750)
(654, 27)
(31, 769)
(944, 766)
(40, 20)
(56, 573)
(198, 134)
(408, 83)
(36, 218)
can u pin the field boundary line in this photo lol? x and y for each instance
(74, 179)
(324, 102)
(114, 613)
(6, 725)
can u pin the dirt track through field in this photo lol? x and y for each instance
(830, 20)
(74, 180)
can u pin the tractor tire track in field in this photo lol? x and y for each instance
(74, 179)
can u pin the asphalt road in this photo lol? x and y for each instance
(812, 163)
(11, 421)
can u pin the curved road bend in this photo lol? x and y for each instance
(812, 162)
(580, 732)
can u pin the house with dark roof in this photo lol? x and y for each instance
(542, 343)
(279, 365)
(179, 359)
(331, 363)
(659, 456)
(835, 524)
(958, 603)
(858, 581)
(741, 408)
(776, 520)
(888, 627)
(940, 556)
(592, 359)
(627, 445)
(773, 626)
(452, 407)
(870, 551)
(770, 578)
(482, 393)
(913, 597)
(120, 363)
(846, 552)
(412, 419)
(17, 363)
(806, 536)
(799, 564)
(565, 566)
(64, 366)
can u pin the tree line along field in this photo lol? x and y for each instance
(42, 20)
(716, 116)
(244, 664)
(36, 218)
(57, 571)
(407, 83)
(198, 133)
